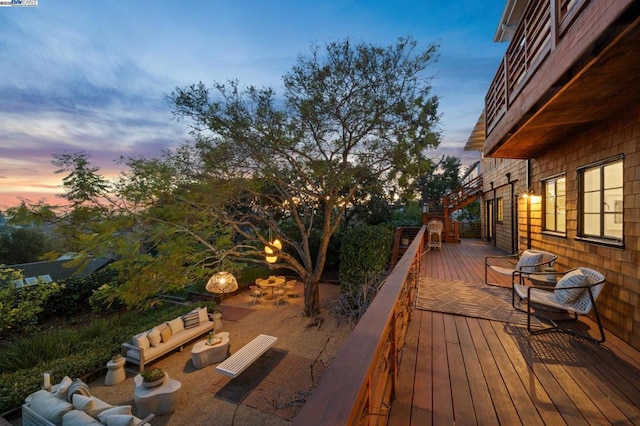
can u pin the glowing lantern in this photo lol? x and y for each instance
(269, 251)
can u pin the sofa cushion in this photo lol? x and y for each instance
(83, 403)
(203, 316)
(165, 333)
(120, 420)
(100, 406)
(570, 279)
(62, 388)
(176, 325)
(141, 340)
(79, 418)
(192, 319)
(154, 337)
(117, 409)
(49, 406)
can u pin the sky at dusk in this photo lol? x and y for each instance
(94, 76)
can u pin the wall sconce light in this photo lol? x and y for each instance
(270, 258)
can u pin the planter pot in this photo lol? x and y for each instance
(155, 382)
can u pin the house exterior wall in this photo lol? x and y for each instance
(618, 302)
(496, 186)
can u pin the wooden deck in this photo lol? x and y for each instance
(463, 370)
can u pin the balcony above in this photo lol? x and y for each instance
(570, 63)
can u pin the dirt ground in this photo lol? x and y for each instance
(269, 392)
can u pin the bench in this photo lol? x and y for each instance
(246, 355)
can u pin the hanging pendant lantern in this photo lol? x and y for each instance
(270, 258)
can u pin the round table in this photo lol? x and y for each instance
(115, 372)
(157, 400)
(203, 354)
(272, 284)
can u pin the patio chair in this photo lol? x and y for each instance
(290, 288)
(529, 261)
(280, 293)
(256, 293)
(435, 233)
(576, 293)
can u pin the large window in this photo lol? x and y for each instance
(600, 210)
(554, 204)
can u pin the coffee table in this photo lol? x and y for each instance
(203, 354)
(157, 400)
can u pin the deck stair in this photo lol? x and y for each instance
(457, 199)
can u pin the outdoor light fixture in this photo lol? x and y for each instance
(222, 282)
(269, 251)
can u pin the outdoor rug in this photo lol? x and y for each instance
(233, 313)
(469, 299)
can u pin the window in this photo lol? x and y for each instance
(500, 213)
(554, 205)
(601, 211)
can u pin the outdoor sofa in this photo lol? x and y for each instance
(164, 338)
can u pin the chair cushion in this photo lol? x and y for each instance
(570, 279)
(528, 261)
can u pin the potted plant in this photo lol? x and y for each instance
(153, 377)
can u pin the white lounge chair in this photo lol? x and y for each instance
(528, 262)
(576, 292)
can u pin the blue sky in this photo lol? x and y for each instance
(93, 76)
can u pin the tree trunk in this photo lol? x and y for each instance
(311, 298)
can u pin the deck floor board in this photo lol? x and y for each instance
(468, 370)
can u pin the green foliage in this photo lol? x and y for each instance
(90, 348)
(76, 291)
(365, 253)
(20, 306)
(408, 215)
(153, 374)
(22, 245)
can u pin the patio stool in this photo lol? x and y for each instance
(435, 234)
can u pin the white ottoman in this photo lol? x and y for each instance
(158, 399)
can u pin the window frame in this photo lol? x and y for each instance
(500, 210)
(598, 239)
(554, 179)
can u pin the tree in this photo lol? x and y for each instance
(443, 179)
(22, 245)
(349, 112)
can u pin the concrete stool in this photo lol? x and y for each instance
(115, 372)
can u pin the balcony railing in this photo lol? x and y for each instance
(358, 386)
(543, 24)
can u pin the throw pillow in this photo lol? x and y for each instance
(165, 333)
(192, 319)
(154, 337)
(63, 387)
(78, 386)
(79, 418)
(529, 261)
(202, 315)
(100, 406)
(176, 325)
(49, 406)
(570, 279)
(141, 340)
(83, 403)
(120, 420)
(118, 409)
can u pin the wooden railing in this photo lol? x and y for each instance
(359, 385)
(543, 23)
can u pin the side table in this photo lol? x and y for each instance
(115, 372)
(203, 354)
(157, 400)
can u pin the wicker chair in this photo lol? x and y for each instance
(256, 293)
(528, 262)
(584, 298)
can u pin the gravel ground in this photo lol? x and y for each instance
(266, 397)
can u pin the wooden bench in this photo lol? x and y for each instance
(246, 355)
